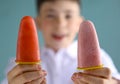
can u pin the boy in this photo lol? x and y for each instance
(59, 22)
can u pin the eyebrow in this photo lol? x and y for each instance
(52, 10)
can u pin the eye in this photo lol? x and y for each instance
(68, 16)
(50, 16)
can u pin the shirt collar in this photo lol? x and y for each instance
(70, 51)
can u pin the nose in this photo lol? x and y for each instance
(61, 22)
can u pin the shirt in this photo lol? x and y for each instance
(61, 65)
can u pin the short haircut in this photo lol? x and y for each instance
(39, 3)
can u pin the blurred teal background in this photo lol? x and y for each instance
(104, 13)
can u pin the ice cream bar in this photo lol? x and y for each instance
(88, 47)
(27, 43)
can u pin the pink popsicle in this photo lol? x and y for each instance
(88, 47)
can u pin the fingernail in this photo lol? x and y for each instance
(39, 67)
(73, 78)
(78, 76)
(45, 73)
(43, 70)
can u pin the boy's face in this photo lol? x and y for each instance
(59, 23)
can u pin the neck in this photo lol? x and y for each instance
(54, 49)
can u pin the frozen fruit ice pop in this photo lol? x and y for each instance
(88, 47)
(27, 43)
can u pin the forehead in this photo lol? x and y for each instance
(60, 6)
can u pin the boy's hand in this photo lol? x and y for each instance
(26, 74)
(98, 76)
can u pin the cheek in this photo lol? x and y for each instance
(46, 27)
(73, 26)
(47, 23)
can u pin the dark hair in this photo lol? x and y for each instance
(40, 2)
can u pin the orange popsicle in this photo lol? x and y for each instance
(27, 43)
(88, 47)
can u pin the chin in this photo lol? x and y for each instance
(60, 46)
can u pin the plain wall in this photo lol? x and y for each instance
(104, 13)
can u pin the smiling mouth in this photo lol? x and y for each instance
(58, 37)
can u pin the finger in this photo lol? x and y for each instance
(44, 81)
(28, 77)
(44, 72)
(102, 72)
(76, 82)
(81, 82)
(38, 81)
(75, 77)
(22, 68)
(91, 79)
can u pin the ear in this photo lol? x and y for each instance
(38, 22)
